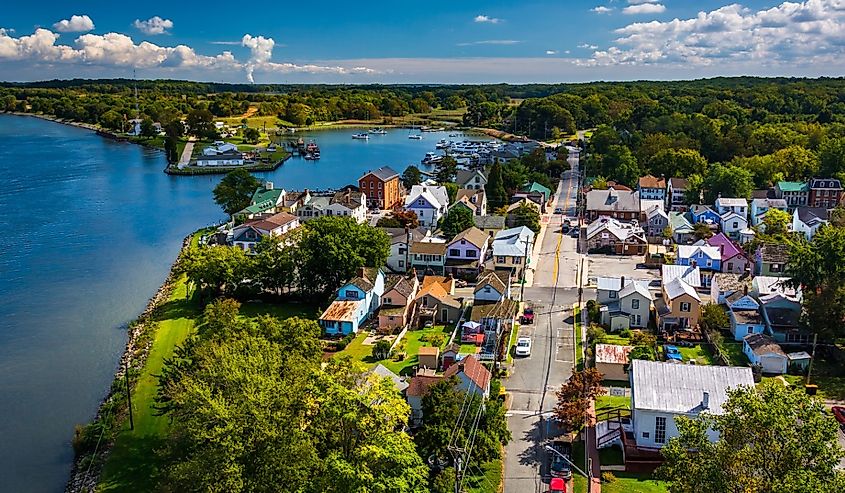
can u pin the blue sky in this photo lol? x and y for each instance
(433, 41)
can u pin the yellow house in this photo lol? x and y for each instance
(512, 249)
(679, 307)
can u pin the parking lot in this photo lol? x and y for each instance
(617, 266)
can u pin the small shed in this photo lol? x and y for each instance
(450, 355)
(612, 361)
(764, 351)
(801, 359)
(429, 356)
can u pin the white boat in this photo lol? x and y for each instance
(361, 136)
(431, 159)
(442, 144)
(378, 131)
(415, 137)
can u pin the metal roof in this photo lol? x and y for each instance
(678, 287)
(690, 275)
(680, 389)
(611, 353)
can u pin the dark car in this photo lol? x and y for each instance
(575, 233)
(558, 466)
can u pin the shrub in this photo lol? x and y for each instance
(596, 334)
(381, 350)
(437, 340)
(626, 333)
(608, 477)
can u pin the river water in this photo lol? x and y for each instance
(89, 230)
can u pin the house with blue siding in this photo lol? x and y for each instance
(429, 203)
(704, 214)
(356, 301)
(744, 314)
(707, 258)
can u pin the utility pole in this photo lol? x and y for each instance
(128, 391)
(812, 358)
(458, 456)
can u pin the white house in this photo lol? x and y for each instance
(740, 206)
(348, 203)
(808, 220)
(219, 147)
(762, 350)
(400, 258)
(631, 309)
(662, 391)
(471, 179)
(492, 287)
(233, 158)
(607, 288)
(732, 223)
(247, 235)
(675, 190)
(473, 377)
(759, 208)
(428, 203)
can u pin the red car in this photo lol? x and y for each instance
(839, 414)
(527, 316)
(557, 485)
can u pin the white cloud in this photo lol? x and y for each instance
(76, 24)
(483, 19)
(551, 52)
(119, 50)
(638, 2)
(226, 43)
(644, 8)
(153, 25)
(601, 9)
(503, 42)
(587, 46)
(808, 33)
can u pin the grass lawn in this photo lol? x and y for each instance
(606, 402)
(412, 343)
(133, 463)
(616, 339)
(511, 342)
(701, 354)
(733, 351)
(282, 311)
(634, 483)
(488, 482)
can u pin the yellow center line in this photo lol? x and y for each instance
(560, 238)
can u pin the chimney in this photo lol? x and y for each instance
(705, 400)
(622, 283)
(268, 185)
(693, 264)
(745, 289)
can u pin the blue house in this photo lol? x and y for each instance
(356, 301)
(744, 314)
(704, 214)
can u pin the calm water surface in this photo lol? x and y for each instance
(90, 228)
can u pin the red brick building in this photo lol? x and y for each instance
(382, 188)
(825, 192)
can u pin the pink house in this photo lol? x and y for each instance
(733, 258)
(397, 301)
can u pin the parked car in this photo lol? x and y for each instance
(523, 346)
(839, 414)
(557, 485)
(564, 229)
(575, 233)
(527, 317)
(558, 466)
(559, 210)
(672, 353)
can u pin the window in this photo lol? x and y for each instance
(613, 295)
(685, 307)
(736, 225)
(660, 429)
(500, 260)
(645, 434)
(517, 260)
(351, 293)
(730, 266)
(751, 330)
(379, 185)
(487, 289)
(635, 304)
(454, 252)
(775, 268)
(402, 251)
(420, 202)
(401, 263)
(387, 301)
(470, 253)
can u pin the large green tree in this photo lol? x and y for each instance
(818, 268)
(235, 190)
(220, 269)
(411, 177)
(201, 124)
(526, 215)
(727, 181)
(445, 170)
(771, 439)
(832, 158)
(332, 249)
(497, 196)
(679, 163)
(456, 220)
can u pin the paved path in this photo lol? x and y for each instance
(185, 158)
(534, 380)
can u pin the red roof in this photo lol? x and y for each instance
(419, 385)
(473, 369)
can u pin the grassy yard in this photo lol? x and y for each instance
(410, 345)
(733, 351)
(134, 463)
(579, 351)
(486, 480)
(701, 354)
(607, 402)
(616, 339)
(511, 342)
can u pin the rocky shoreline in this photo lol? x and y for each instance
(84, 474)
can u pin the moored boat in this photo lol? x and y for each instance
(361, 136)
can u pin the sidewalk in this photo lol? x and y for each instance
(185, 158)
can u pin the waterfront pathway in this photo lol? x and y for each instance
(186, 153)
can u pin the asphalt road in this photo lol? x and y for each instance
(534, 379)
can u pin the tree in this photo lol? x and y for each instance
(679, 163)
(776, 222)
(445, 170)
(642, 352)
(201, 124)
(456, 220)
(495, 189)
(701, 231)
(644, 346)
(600, 183)
(818, 268)
(333, 249)
(400, 219)
(621, 165)
(695, 189)
(713, 318)
(252, 135)
(832, 158)
(171, 149)
(411, 177)
(837, 217)
(219, 268)
(274, 267)
(235, 190)
(443, 407)
(727, 181)
(770, 438)
(148, 130)
(575, 396)
(381, 350)
(526, 215)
